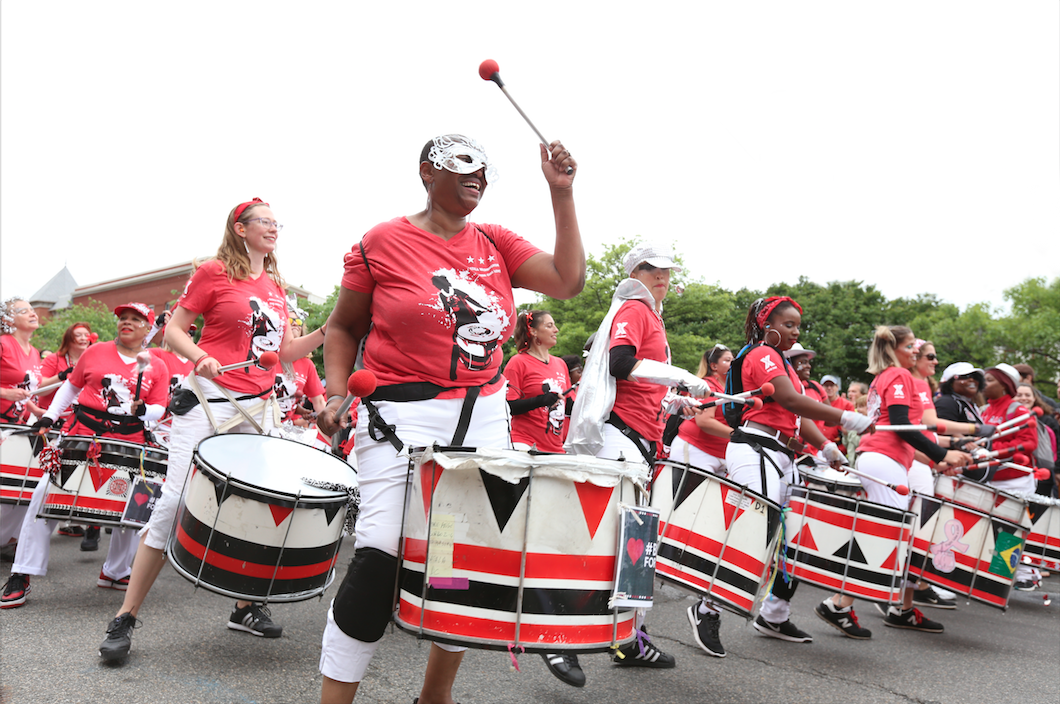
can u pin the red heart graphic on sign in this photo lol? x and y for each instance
(140, 499)
(634, 548)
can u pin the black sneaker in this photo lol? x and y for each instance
(90, 543)
(705, 630)
(911, 619)
(929, 597)
(15, 591)
(784, 631)
(642, 653)
(71, 531)
(255, 619)
(119, 637)
(1026, 585)
(843, 620)
(565, 667)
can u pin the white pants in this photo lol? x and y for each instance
(34, 543)
(886, 470)
(11, 520)
(188, 430)
(921, 479)
(744, 464)
(687, 453)
(383, 480)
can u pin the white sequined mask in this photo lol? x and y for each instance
(447, 150)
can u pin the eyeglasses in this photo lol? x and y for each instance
(932, 357)
(266, 223)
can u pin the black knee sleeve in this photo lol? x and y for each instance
(365, 600)
(783, 590)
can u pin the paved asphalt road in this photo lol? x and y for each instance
(184, 654)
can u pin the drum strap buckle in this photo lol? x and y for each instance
(378, 427)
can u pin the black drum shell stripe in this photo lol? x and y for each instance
(963, 576)
(503, 598)
(248, 491)
(256, 587)
(835, 568)
(862, 508)
(730, 578)
(243, 550)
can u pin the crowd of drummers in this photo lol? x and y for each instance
(425, 304)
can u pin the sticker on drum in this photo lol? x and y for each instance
(95, 479)
(982, 497)
(502, 547)
(856, 547)
(19, 470)
(966, 551)
(716, 538)
(832, 480)
(248, 527)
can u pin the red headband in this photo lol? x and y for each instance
(243, 206)
(771, 304)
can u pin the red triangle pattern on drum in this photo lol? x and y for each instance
(729, 510)
(594, 500)
(430, 474)
(100, 475)
(279, 513)
(968, 520)
(891, 563)
(805, 538)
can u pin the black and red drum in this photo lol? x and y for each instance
(95, 480)
(716, 538)
(248, 524)
(19, 469)
(502, 548)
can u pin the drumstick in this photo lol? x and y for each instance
(987, 463)
(1008, 431)
(997, 453)
(1019, 419)
(143, 361)
(766, 389)
(267, 360)
(938, 427)
(902, 489)
(360, 384)
(48, 389)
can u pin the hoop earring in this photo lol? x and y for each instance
(780, 338)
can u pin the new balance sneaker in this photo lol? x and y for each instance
(642, 653)
(705, 629)
(784, 631)
(928, 596)
(71, 531)
(110, 583)
(911, 619)
(119, 637)
(15, 591)
(565, 667)
(843, 620)
(90, 543)
(255, 619)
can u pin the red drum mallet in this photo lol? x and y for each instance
(360, 384)
(267, 360)
(490, 71)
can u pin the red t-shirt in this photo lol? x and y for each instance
(832, 432)
(526, 376)
(813, 390)
(108, 383)
(923, 395)
(18, 370)
(306, 383)
(242, 320)
(177, 366)
(51, 366)
(440, 308)
(996, 413)
(637, 403)
(892, 387)
(762, 364)
(693, 435)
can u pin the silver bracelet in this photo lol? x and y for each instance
(330, 398)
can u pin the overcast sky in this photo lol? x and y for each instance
(910, 145)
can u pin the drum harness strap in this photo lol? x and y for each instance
(379, 429)
(100, 422)
(649, 452)
(263, 405)
(759, 443)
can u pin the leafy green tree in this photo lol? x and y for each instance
(100, 318)
(1032, 332)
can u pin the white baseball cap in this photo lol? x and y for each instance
(656, 255)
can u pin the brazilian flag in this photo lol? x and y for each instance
(1008, 549)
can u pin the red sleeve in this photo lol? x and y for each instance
(762, 364)
(158, 394)
(1028, 436)
(515, 250)
(198, 292)
(77, 376)
(356, 275)
(898, 389)
(629, 327)
(513, 372)
(50, 366)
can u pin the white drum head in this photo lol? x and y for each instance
(274, 463)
